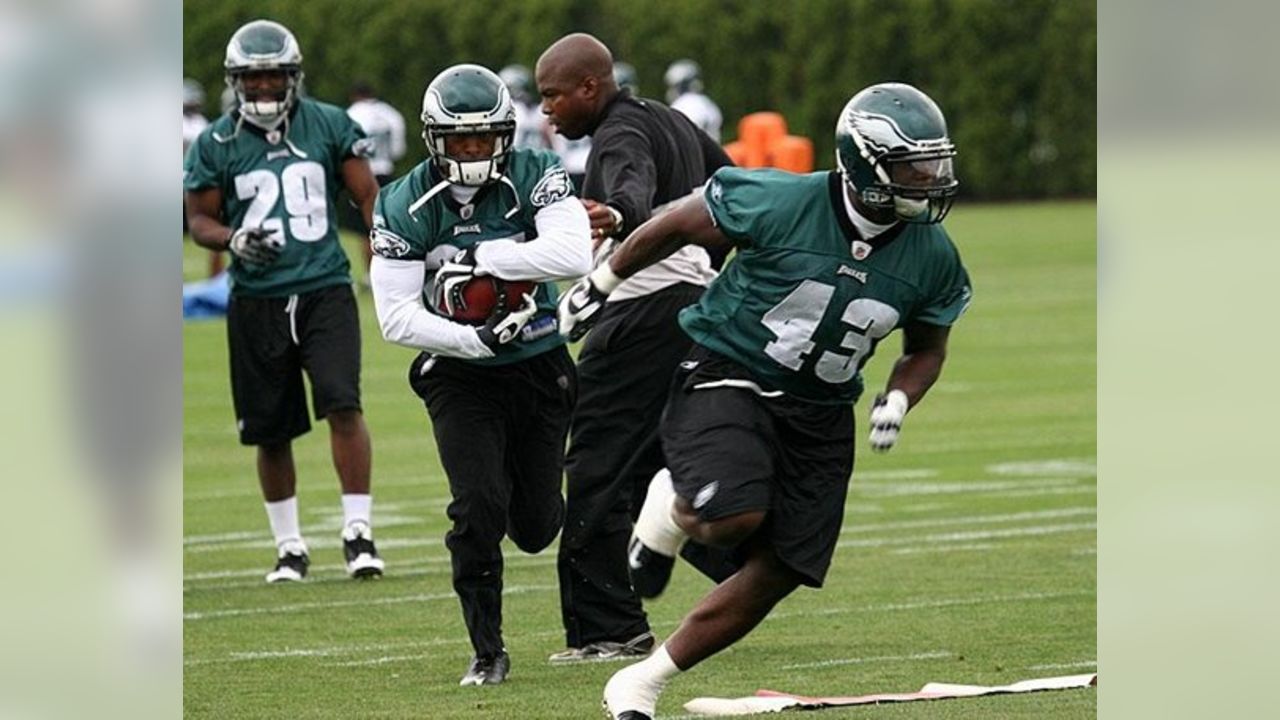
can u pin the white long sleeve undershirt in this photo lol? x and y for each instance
(404, 320)
(562, 250)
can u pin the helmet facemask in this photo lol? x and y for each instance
(263, 110)
(264, 46)
(468, 100)
(893, 151)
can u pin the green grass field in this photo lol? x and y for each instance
(968, 553)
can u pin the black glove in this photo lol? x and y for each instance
(502, 329)
(453, 276)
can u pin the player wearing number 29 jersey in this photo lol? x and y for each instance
(805, 301)
(261, 182)
(288, 182)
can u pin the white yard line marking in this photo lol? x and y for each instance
(1071, 467)
(874, 489)
(939, 549)
(909, 474)
(1065, 666)
(931, 655)
(932, 604)
(1032, 531)
(972, 519)
(362, 602)
(332, 525)
(338, 573)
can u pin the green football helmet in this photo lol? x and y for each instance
(263, 45)
(468, 100)
(893, 150)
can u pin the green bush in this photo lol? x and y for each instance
(1016, 78)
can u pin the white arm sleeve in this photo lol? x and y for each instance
(404, 320)
(561, 251)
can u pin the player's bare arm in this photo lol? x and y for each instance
(204, 208)
(359, 179)
(924, 349)
(688, 222)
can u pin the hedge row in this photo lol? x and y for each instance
(1016, 78)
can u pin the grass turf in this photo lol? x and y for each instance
(968, 553)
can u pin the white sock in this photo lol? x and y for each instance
(283, 516)
(655, 526)
(637, 687)
(357, 508)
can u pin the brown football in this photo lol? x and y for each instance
(482, 295)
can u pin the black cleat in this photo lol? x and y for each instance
(291, 563)
(488, 669)
(650, 570)
(362, 557)
(606, 650)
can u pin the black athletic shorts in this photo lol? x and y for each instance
(732, 448)
(272, 341)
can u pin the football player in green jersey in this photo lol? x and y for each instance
(758, 429)
(261, 182)
(500, 394)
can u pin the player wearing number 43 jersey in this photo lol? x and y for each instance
(758, 427)
(261, 182)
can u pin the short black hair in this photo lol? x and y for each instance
(361, 89)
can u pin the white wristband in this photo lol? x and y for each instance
(897, 400)
(604, 278)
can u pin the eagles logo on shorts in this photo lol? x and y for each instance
(554, 185)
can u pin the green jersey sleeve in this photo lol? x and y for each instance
(200, 167)
(950, 291)
(754, 207)
(395, 235)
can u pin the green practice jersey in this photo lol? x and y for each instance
(806, 299)
(417, 218)
(290, 186)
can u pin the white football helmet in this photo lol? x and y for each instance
(468, 100)
(264, 45)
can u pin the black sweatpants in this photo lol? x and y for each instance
(624, 370)
(501, 435)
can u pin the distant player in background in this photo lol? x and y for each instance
(500, 394)
(685, 93)
(258, 184)
(384, 126)
(531, 126)
(193, 123)
(643, 155)
(758, 428)
(625, 77)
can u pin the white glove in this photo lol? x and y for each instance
(580, 307)
(887, 415)
(502, 329)
(256, 245)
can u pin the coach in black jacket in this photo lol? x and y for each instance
(643, 155)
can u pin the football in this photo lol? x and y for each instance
(484, 296)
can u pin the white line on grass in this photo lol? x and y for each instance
(1065, 666)
(932, 604)
(972, 519)
(362, 602)
(338, 573)
(931, 655)
(871, 489)
(971, 535)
